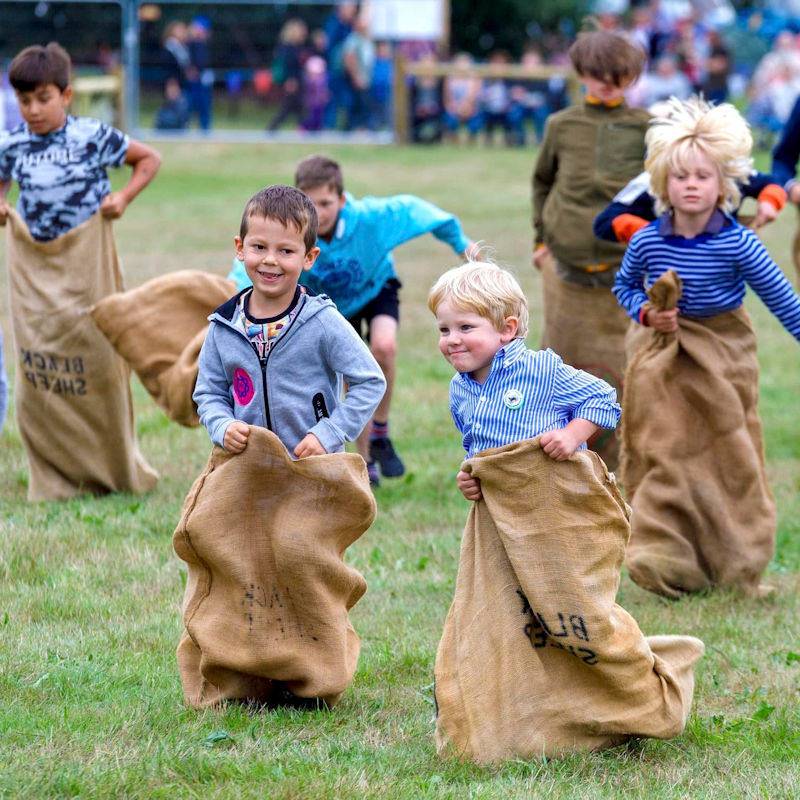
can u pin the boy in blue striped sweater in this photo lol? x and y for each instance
(693, 451)
(695, 157)
(503, 392)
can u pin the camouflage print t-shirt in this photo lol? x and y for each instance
(61, 175)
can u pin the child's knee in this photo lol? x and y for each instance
(384, 350)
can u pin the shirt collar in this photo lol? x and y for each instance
(715, 224)
(504, 357)
(594, 101)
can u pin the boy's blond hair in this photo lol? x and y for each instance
(695, 126)
(485, 289)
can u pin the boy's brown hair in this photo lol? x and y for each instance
(607, 56)
(287, 205)
(314, 171)
(36, 65)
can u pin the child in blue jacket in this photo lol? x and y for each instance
(355, 269)
(276, 354)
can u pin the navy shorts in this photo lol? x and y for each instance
(386, 302)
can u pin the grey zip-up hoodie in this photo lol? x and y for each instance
(297, 388)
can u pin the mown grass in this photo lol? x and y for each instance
(90, 590)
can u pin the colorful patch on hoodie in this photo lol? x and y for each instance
(243, 389)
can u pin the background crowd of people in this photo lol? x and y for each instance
(327, 72)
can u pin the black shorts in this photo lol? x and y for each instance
(386, 302)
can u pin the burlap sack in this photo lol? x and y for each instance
(586, 326)
(693, 454)
(73, 399)
(536, 659)
(159, 329)
(268, 591)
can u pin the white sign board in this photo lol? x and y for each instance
(406, 19)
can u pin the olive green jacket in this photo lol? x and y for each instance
(588, 154)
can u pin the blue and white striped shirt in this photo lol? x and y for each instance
(527, 392)
(714, 268)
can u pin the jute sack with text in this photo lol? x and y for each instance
(586, 326)
(693, 454)
(268, 592)
(159, 328)
(536, 659)
(73, 398)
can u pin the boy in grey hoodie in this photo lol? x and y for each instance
(276, 354)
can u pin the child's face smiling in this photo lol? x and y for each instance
(694, 190)
(274, 257)
(469, 341)
(328, 203)
(44, 108)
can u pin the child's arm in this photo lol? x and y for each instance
(629, 284)
(470, 487)
(347, 355)
(212, 396)
(590, 403)
(631, 209)
(769, 282)
(4, 204)
(391, 221)
(145, 162)
(544, 176)
(562, 443)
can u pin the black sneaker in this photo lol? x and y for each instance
(381, 450)
(372, 472)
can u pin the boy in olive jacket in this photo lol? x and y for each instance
(590, 151)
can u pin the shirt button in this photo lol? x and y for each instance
(483, 399)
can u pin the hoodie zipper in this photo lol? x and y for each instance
(263, 363)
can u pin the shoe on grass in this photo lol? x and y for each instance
(381, 450)
(372, 471)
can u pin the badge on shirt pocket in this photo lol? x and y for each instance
(513, 398)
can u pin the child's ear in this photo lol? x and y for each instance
(509, 329)
(239, 247)
(66, 96)
(311, 257)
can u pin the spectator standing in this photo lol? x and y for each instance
(287, 71)
(315, 92)
(201, 76)
(337, 27)
(426, 105)
(718, 69)
(461, 99)
(380, 90)
(496, 100)
(358, 58)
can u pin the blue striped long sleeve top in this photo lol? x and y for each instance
(527, 392)
(714, 267)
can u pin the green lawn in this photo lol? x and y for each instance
(90, 590)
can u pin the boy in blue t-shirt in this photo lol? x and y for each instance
(355, 269)
(60, 161)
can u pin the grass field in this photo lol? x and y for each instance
(90, 590)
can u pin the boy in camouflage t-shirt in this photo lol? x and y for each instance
(60, 161)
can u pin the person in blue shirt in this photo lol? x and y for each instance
(786, 154)
(503, 392)
(355, 269)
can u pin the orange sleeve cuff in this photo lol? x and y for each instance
(772, 193)
(625, 225)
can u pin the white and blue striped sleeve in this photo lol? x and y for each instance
(629, 282)
(769, 283)
(584, 396)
